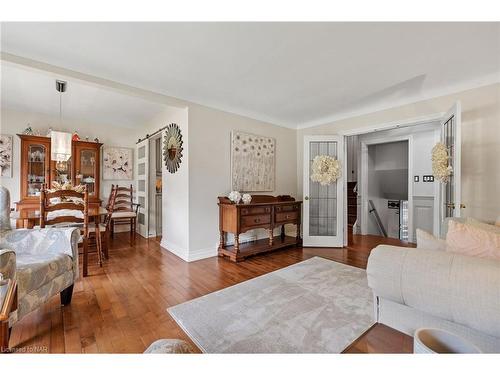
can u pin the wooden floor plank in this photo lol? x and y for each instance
(121, 307)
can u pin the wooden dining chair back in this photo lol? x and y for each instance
(110, 207)
(123, 209)
(112, 197)
(102, 229)
(66, 208)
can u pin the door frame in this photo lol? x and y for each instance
(364, 178)
(341, 232)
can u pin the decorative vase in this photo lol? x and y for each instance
(247, 198)
(234, 196)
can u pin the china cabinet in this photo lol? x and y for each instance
(86, 166)
(38, 170)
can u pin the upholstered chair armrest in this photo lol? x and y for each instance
(454, 287)
(47, 241)
(8, 263)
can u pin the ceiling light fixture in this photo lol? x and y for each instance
(60, 141)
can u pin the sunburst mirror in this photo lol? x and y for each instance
(172, 148)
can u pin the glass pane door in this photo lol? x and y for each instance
(142, 168)
(36, 169)
(87, 173)
(62, 171)
(323, 219)
(449, 188)
(322, 198)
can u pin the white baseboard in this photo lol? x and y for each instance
(186, 254)
(199, 254)
(211, 251)
(179, 251)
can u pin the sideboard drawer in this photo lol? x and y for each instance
(288, 207)
(286, 216)
(250, 221)
(256, 210)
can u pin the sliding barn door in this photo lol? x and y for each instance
(323, 223)
(142, 168)
(451, 192)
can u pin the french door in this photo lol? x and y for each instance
(323, 223)
(142, 187)
(451, 136)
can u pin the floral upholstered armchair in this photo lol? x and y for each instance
(43, 261)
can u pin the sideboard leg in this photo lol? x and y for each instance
(283, 232)
(271, 236)
(222, 240)
(236, 243)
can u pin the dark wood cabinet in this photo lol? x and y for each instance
(264, 212)
(37, 170)
(86, 167)
(35, 166)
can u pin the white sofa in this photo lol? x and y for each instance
(416, 288)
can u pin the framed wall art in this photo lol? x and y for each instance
(252, 162)
(117, 163)
(6, 155)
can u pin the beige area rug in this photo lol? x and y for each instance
(315, 306)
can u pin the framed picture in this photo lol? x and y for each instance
(6, 155)
(117, 163)
(252, 162)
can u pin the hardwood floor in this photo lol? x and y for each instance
(121, 307)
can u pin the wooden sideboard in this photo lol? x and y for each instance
(264, 212)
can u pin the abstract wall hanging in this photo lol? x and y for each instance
(117, 163)
(252, 162)
(6, 155)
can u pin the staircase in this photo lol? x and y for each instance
(352, 206)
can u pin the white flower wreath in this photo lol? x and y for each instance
(325, 169)
(440, 163)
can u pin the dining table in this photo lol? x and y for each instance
(30, 218)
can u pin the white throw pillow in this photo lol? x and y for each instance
(471, 240)
(481, 225)
(426, 240)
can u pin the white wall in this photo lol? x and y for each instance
(175, 192)
(190, 194)
(14, 122)
(210, 170)
(480, 142)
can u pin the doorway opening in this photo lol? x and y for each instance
(390, 190)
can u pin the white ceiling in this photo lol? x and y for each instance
(291, 74)
(35, 91)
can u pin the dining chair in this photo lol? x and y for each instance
(69, 208)
(103, 229)
(125, 210)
